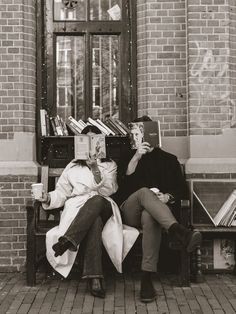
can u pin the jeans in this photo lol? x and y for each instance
(144, 210)
(87, 228)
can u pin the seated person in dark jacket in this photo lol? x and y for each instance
(141, 207)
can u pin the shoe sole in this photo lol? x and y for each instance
(148, 300)
(195, 240)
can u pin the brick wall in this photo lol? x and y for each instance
(14, 194)
(232, 64)
(17, 67)
(17, 117)
(161, 41)
(209, 74)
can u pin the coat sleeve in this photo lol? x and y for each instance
(108, 185)
(61, 193)
(177, 183)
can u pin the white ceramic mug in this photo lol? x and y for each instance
(37, 190)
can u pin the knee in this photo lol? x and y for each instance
(98, 200)
(144, 192)
(149, 224)
(147, 219)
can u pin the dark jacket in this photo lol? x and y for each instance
(158, 169)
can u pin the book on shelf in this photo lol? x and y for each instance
(99, 126)
(120, 130)
(106, 127)
(89, 144)
(122, 125)
(44, 122)
(146, 131)
(226, 215)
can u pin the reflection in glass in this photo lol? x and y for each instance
(105, 10)
(105, 63)
(70, 76)
(69, 10)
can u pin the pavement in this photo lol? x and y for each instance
(217, 294)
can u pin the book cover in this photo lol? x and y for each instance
(223, 254)
(86, 144)
(147, 131)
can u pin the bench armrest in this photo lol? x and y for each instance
(185, 212)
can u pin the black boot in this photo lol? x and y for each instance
(61, 246)
(96, 288)
(147, 291)
(188, 238)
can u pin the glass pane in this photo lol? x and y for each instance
(105, 64)
(105, 10)
(70, 76)
(69, 10)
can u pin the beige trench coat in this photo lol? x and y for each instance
(74, 187)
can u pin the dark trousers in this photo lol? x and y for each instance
(87, 228)
(144, 210)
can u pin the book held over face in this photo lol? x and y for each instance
(146, 131)
(93, 145)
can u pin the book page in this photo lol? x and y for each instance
(98, 145)
(81, 146)
(227, 208)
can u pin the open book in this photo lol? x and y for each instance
(147, 131)
(89, 144)
(226, 216)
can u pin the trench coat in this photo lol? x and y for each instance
(74, 187)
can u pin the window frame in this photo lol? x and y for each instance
(48, 30)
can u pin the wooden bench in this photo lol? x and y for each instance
(40, 221)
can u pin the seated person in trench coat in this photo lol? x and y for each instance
(151, 186)
(83, 189)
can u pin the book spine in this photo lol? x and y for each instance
(70, 118)
(58, 126)
(73, 128)
(110, 125)
(53, 126)
(106, 127)
(47, 125)
(122, 126)
(43, 122)
(119, 132)
(93, 122)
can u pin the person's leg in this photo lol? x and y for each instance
(151, 241)
(92, 248)
(144, 198)
(92, 258)
(135, 214)
(96, 206)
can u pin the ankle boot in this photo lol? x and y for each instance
(61, 246)
(96, 288)
(188, 238)
(147, 291)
